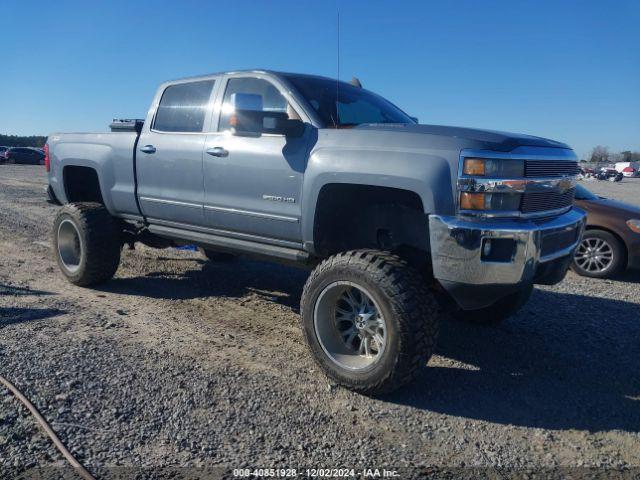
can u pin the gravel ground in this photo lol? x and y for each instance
(182, 363)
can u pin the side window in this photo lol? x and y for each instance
(252, 94)
(183, 107)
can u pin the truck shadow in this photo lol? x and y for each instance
(235, 279)
(563, 362)
(14, 315)
(6, 289)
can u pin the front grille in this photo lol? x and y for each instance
(549, 168)
(535, 202)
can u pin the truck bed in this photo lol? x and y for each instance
(110, 154)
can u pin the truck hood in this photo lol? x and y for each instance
(501, 141)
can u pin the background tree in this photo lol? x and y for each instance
(18, 141)
(629, 156)
(599, 154)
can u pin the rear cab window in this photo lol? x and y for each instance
(183, 107)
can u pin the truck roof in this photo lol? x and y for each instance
(260, 70)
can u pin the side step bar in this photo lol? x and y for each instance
(233, 245)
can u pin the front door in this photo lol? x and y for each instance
(169, 155)
(253, 184)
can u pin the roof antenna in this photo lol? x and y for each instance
(337, 119)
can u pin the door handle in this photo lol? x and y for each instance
(217, 152)
(148, 149)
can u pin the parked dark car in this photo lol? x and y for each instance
(24, 155)
(610, 174)
(611, 242)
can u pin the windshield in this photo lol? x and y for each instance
(341, 104)
(584, 194)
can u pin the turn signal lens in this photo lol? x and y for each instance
(47, 161)
(472, 201)
(634, 225)
(473, 166)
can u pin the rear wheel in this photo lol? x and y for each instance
(599, 255)
(499, 311)
(87, 243)
(369, 320)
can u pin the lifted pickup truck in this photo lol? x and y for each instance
(397, 219)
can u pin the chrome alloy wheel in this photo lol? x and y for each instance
(69, 245)
(349, 326)
(594, 255)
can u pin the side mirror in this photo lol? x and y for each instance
(415, 119)
(290, 127)
(255, 123)
(250, 119)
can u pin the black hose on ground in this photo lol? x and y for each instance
(83, 472)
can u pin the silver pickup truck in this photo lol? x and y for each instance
(399, 221)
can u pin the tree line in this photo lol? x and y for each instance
(601, 154)
(20, 141)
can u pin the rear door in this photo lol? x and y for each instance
(254, 185)
(169, 154)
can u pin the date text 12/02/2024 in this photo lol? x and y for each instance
(315, 473)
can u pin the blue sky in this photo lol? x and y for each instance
(565, 70)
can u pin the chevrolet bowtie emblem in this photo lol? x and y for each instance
(565, 184)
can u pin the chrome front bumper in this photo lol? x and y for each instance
(540, 249)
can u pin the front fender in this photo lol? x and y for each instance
(427, 175)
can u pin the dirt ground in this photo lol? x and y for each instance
(178, 362)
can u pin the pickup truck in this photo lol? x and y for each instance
(401, 223)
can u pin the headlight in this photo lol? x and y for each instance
(634, 225)
(473, 201)
(496, 202)
(474, 167)
(493, 168)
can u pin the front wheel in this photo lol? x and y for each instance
(369, 320)
(599, 255)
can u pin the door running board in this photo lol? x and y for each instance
(235, 245)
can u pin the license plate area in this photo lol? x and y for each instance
(558, 239)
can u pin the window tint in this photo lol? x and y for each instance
(251, 94)
(183, 107)
(342, 104)
(359, 112)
